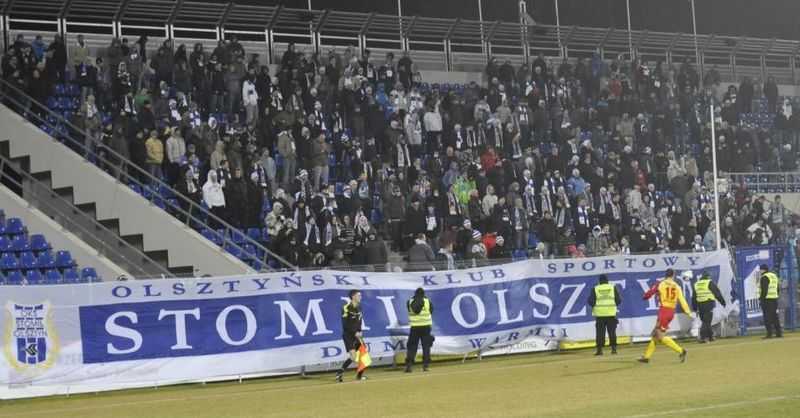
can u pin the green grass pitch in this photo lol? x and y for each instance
(744, 377)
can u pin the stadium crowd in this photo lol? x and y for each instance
(338, 153)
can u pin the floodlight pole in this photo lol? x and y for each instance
(718, 229)
(630, 36)
(694, 28)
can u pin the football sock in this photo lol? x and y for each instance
(346, 364)
(669, 342)
(650, 348)
(358, 376)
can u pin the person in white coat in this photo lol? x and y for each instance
(214, 198)
(250, 98)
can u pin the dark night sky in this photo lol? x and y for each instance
(754, 18)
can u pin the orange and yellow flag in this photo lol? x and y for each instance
(363, 358)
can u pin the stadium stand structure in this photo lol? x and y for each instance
(622, 105)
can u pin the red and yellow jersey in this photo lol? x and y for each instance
(669, 295)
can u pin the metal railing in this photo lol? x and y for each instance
(768, 182)
(440, 43)
(193, 215)
(73, 222)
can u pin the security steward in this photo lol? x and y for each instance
(604, 301)
(705, 293)
(420, 310)
(768, 296)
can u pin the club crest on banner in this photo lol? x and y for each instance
(30, 343)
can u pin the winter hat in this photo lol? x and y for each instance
(476, 234)
(500, 239)
(303, 173)
(467, 222)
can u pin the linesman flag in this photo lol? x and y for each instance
(363, 358)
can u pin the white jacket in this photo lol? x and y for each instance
(249, 95)
(212, 191)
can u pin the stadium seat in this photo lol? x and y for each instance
(73, 90)
(39, 243)
(211, 236)
(264, 236)
(8, 261)
(71, 275)
(46, 260)
(48, 130)
(59, 90)
(51, 103)
(20, 243)
(89, 274)
(254, 234)
(5, 244)
(33, 277)
(65, 103)
(52, 276)
(249, 251)
(257, 266)
(15, 277)
(15, 226)
(238, 236)
(64, 259)
(234, 251)
(27, 261)
(136, 188)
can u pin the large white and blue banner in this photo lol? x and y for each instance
(104, 336)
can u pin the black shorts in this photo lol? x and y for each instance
(350, 342)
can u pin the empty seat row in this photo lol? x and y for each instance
(49, 276)
(28, 260)
(19, 243)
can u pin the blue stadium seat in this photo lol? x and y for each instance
(165, 192)
(136, 188)
(211, 236)
(518, 255)
(89, 274)
(5, 244)
(48, 130)
(20, 243)
(8, 261)
(59, 90)
(65, 103)
(53, 118)
(15, 226)
(15, 277)
(28, 261)
(33, 277)
(51, 103)
(257, 265)
(249, 251)
(331, 159)
(52, 276)
(73, 90)
(64, 259)
(233, 250)
(237, 236)
(71, 275)
(254, 234)
(46, 260)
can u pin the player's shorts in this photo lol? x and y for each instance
(664, 318)
(350, 342)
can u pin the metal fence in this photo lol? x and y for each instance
(438, 44)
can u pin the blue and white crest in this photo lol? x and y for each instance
(30, 336)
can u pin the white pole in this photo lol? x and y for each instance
(558, 31)
(630, 37)
(694, 28)
(400, 22)
(714, 165)
(480, 19)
